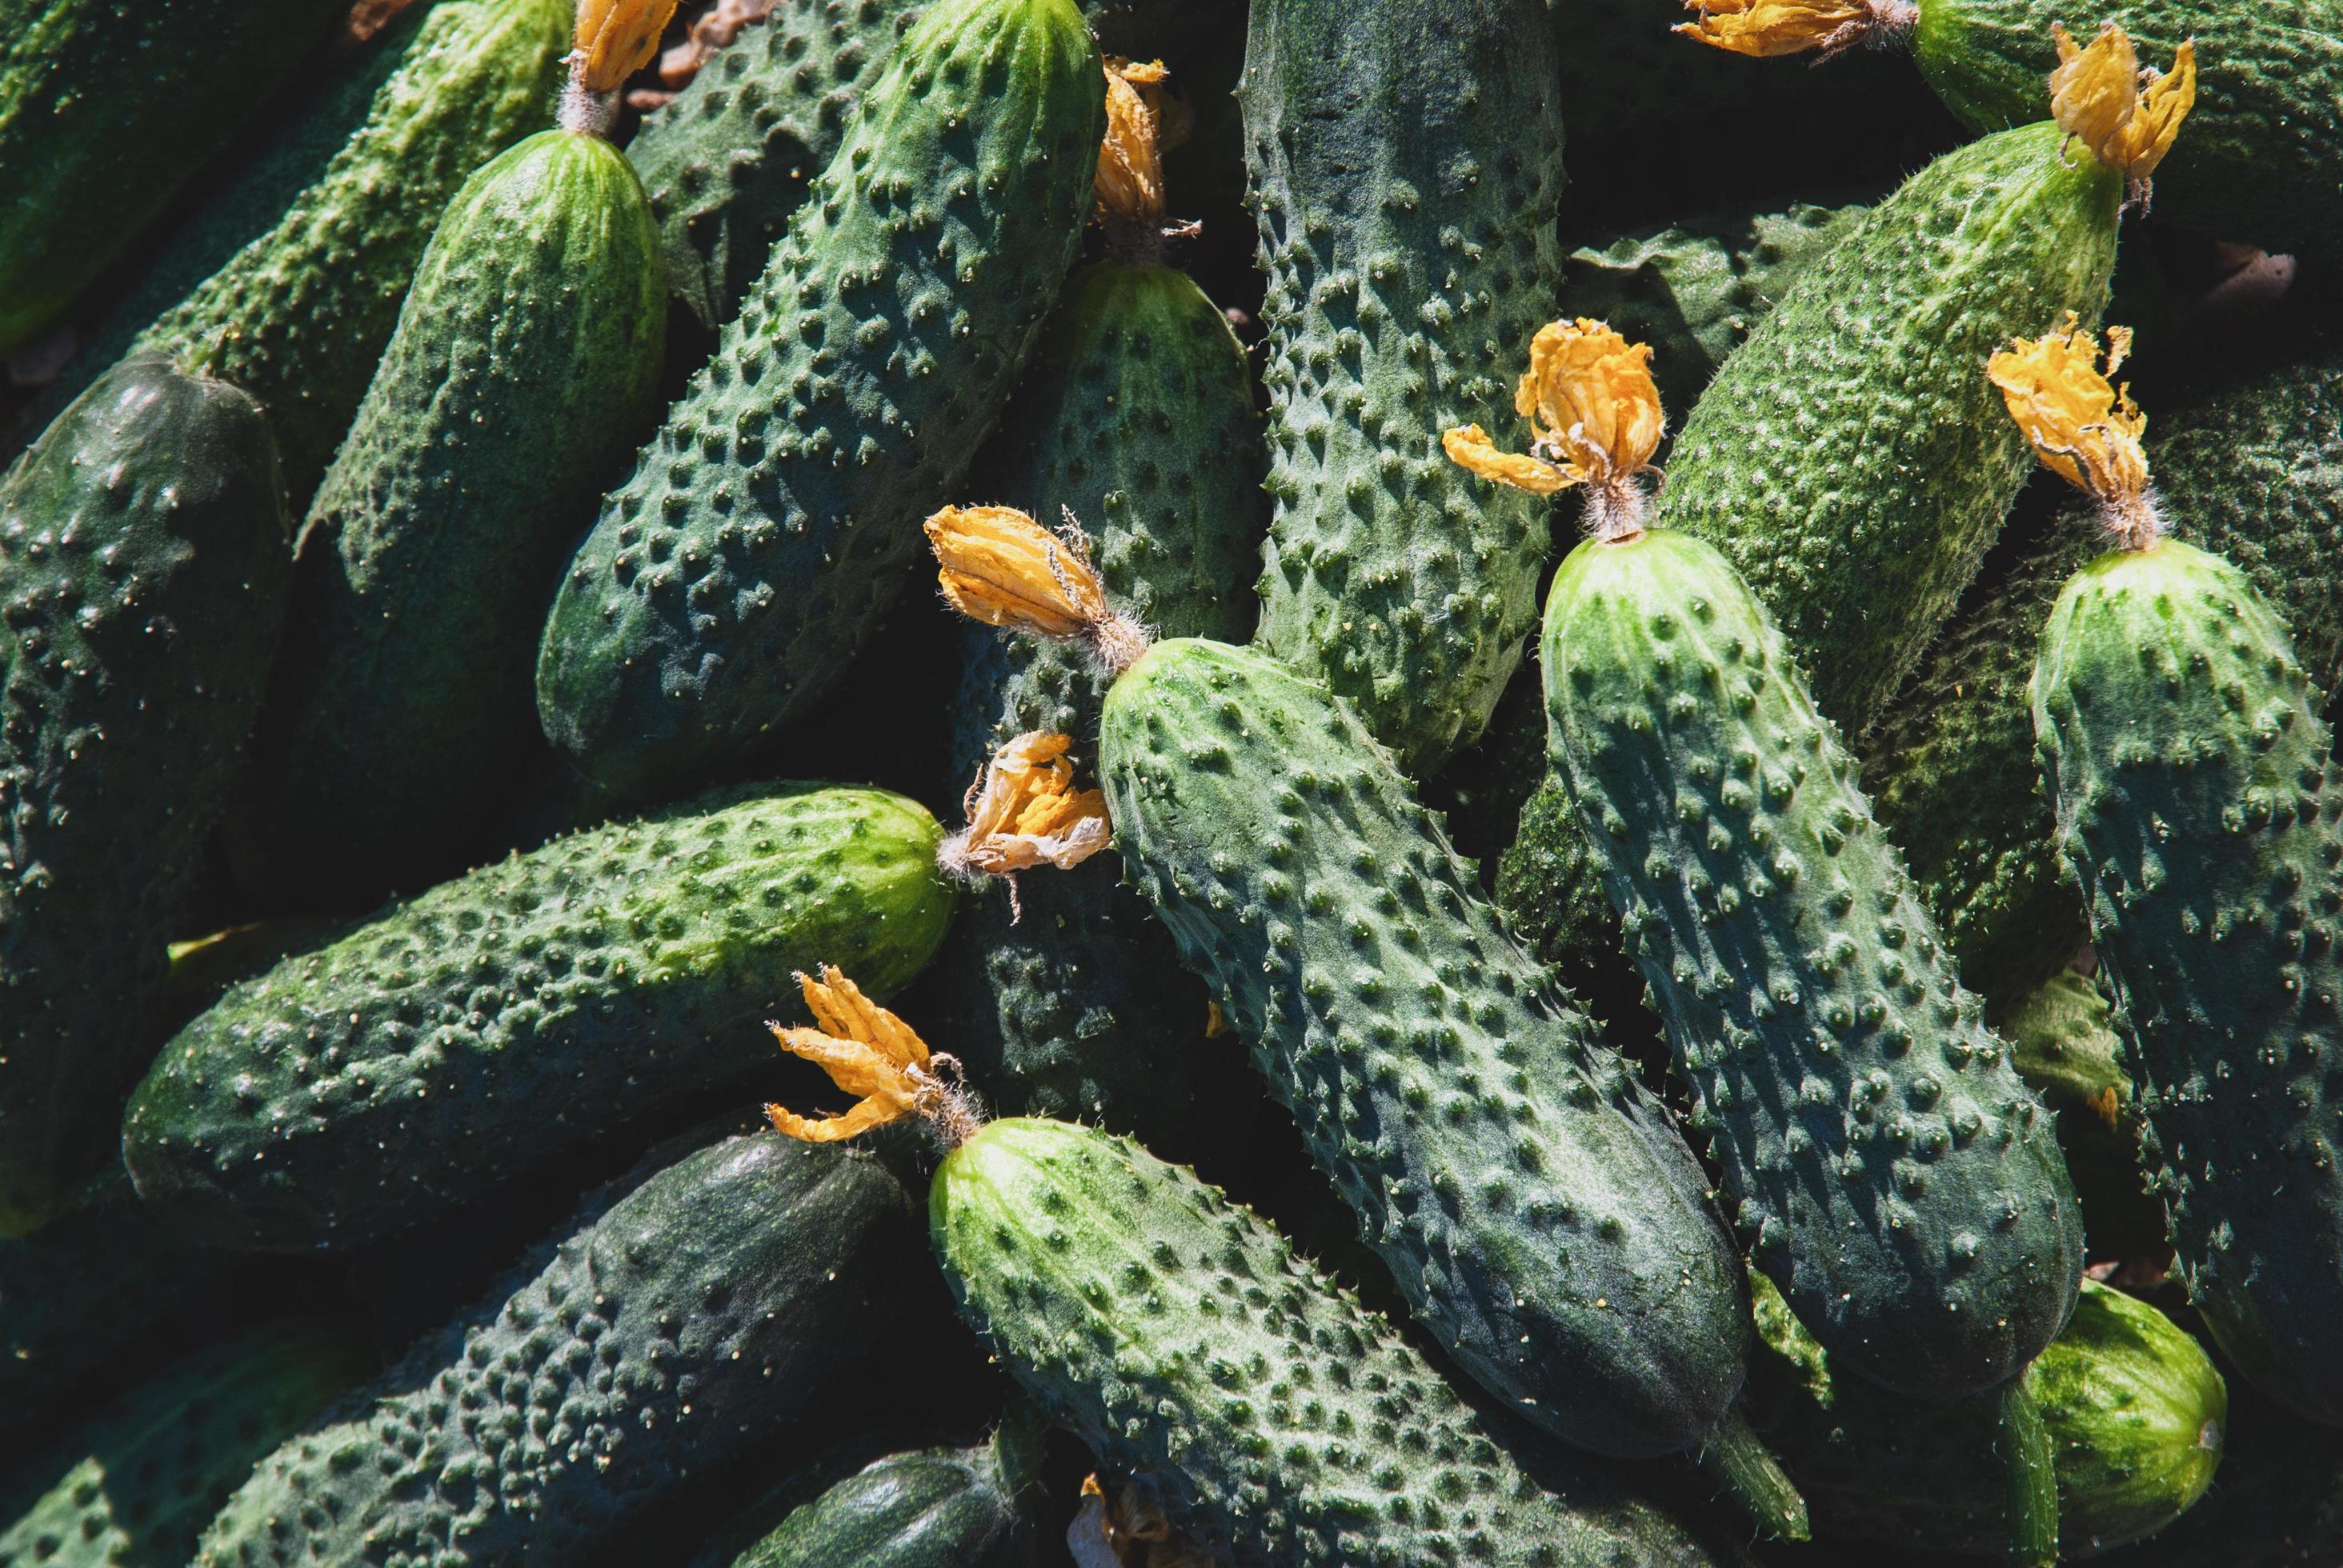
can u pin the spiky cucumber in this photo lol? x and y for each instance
(524, 1008)
(1895, 1177)
(2197, 807)
(1179, 1335)
(1407, 160)
(144, 562)
(770, 523)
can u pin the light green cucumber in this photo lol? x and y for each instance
(2063, 1043)
(1892, 1173)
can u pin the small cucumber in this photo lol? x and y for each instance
(524, 1008)
(2063, 1043)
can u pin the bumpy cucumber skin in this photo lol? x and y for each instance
(774, 518)
(2063, 1043)
(145, 563)
(730, 160)
(106, 110)
(137, 1486)
(935, 1508)
(1139, 417)
(525, 1007)
(1893, 1174)
(706, 1311)
(2197, 807)
(1537, 1210)
(299, 316)
(2260, 160)
(526, 355)
(1406, 161)
(1182, 1339)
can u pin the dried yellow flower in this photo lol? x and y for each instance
(2083, 426)
(616, 38)
(1025, 812)
(1596, 421)
(1767, 27)
(869, 1052)
(2125, 115)
(999, 566)
(1129, 181)
(1128, 1529)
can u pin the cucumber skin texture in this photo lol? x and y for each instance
(707, 1310)
(528, 351)
(1536, 1209)
(1179, 1337)
(933, 1508)
(1406, 162)
(2170, 710)
(145, 565)
(299, 316)
(541, 1002)
(730, 158)
(776, 516)
(1809, 1005)
(137, 1486)
(2063, 1043)
(106, 110)
(2260, 159)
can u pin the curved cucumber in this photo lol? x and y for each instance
(144, 571)
(1897, 1179)
(2198, 806)
(1180, 1336)
(527, 354)
(931, 1508)
(1407, 160)
(524, 1008)
(1536, 1209)
(774, 518)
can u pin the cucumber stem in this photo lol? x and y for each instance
(2032, 1476)
(1753, 1482)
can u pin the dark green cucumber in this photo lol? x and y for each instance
(1536, 1207)
(145, 565)
(134, 1486)
(2197, 807)
(1892, 1173)
(774, 518)
(731, 157)
(713, 1306)
(524, 1008)
(1179, 1337)
(526, 356)
(107, 110)
(928, 1508)
(1407, 160)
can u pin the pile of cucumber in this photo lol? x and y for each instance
(1617, 843)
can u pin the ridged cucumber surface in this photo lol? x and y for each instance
(1179, 1335)
(526, 357)
(770, 523)
(709, 1309)
(144, 562)
(1892, 1173)
(2198, 806)
(1406, 161)
(524, 1008)
(927, 1508)
(1536, 1207)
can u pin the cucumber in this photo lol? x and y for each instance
(106, 111)
(715, 1305)
(2063, 1043)
(522, 1010)
(1895, 1177)
(771, 522)
(1179, 1337)
(2197, 805)
(1406, 162)
(143, 571)
(1536, 1207)
(528, 351)
(2280, 1504)
(138, 1482)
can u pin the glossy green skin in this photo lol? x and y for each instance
(732, 156)
(106, 110)
(1139, 417)
(2198, 804)
(772, 521)
(1892, 1173)
(526, 1008)
(1536, 1207)
(526, 357)
(710, 1309)
(2260, 159)
(1407, 160)
(2280, 1504)
(1179, 1337)
(134, 1487)
(933, 1508)
(143, 571)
